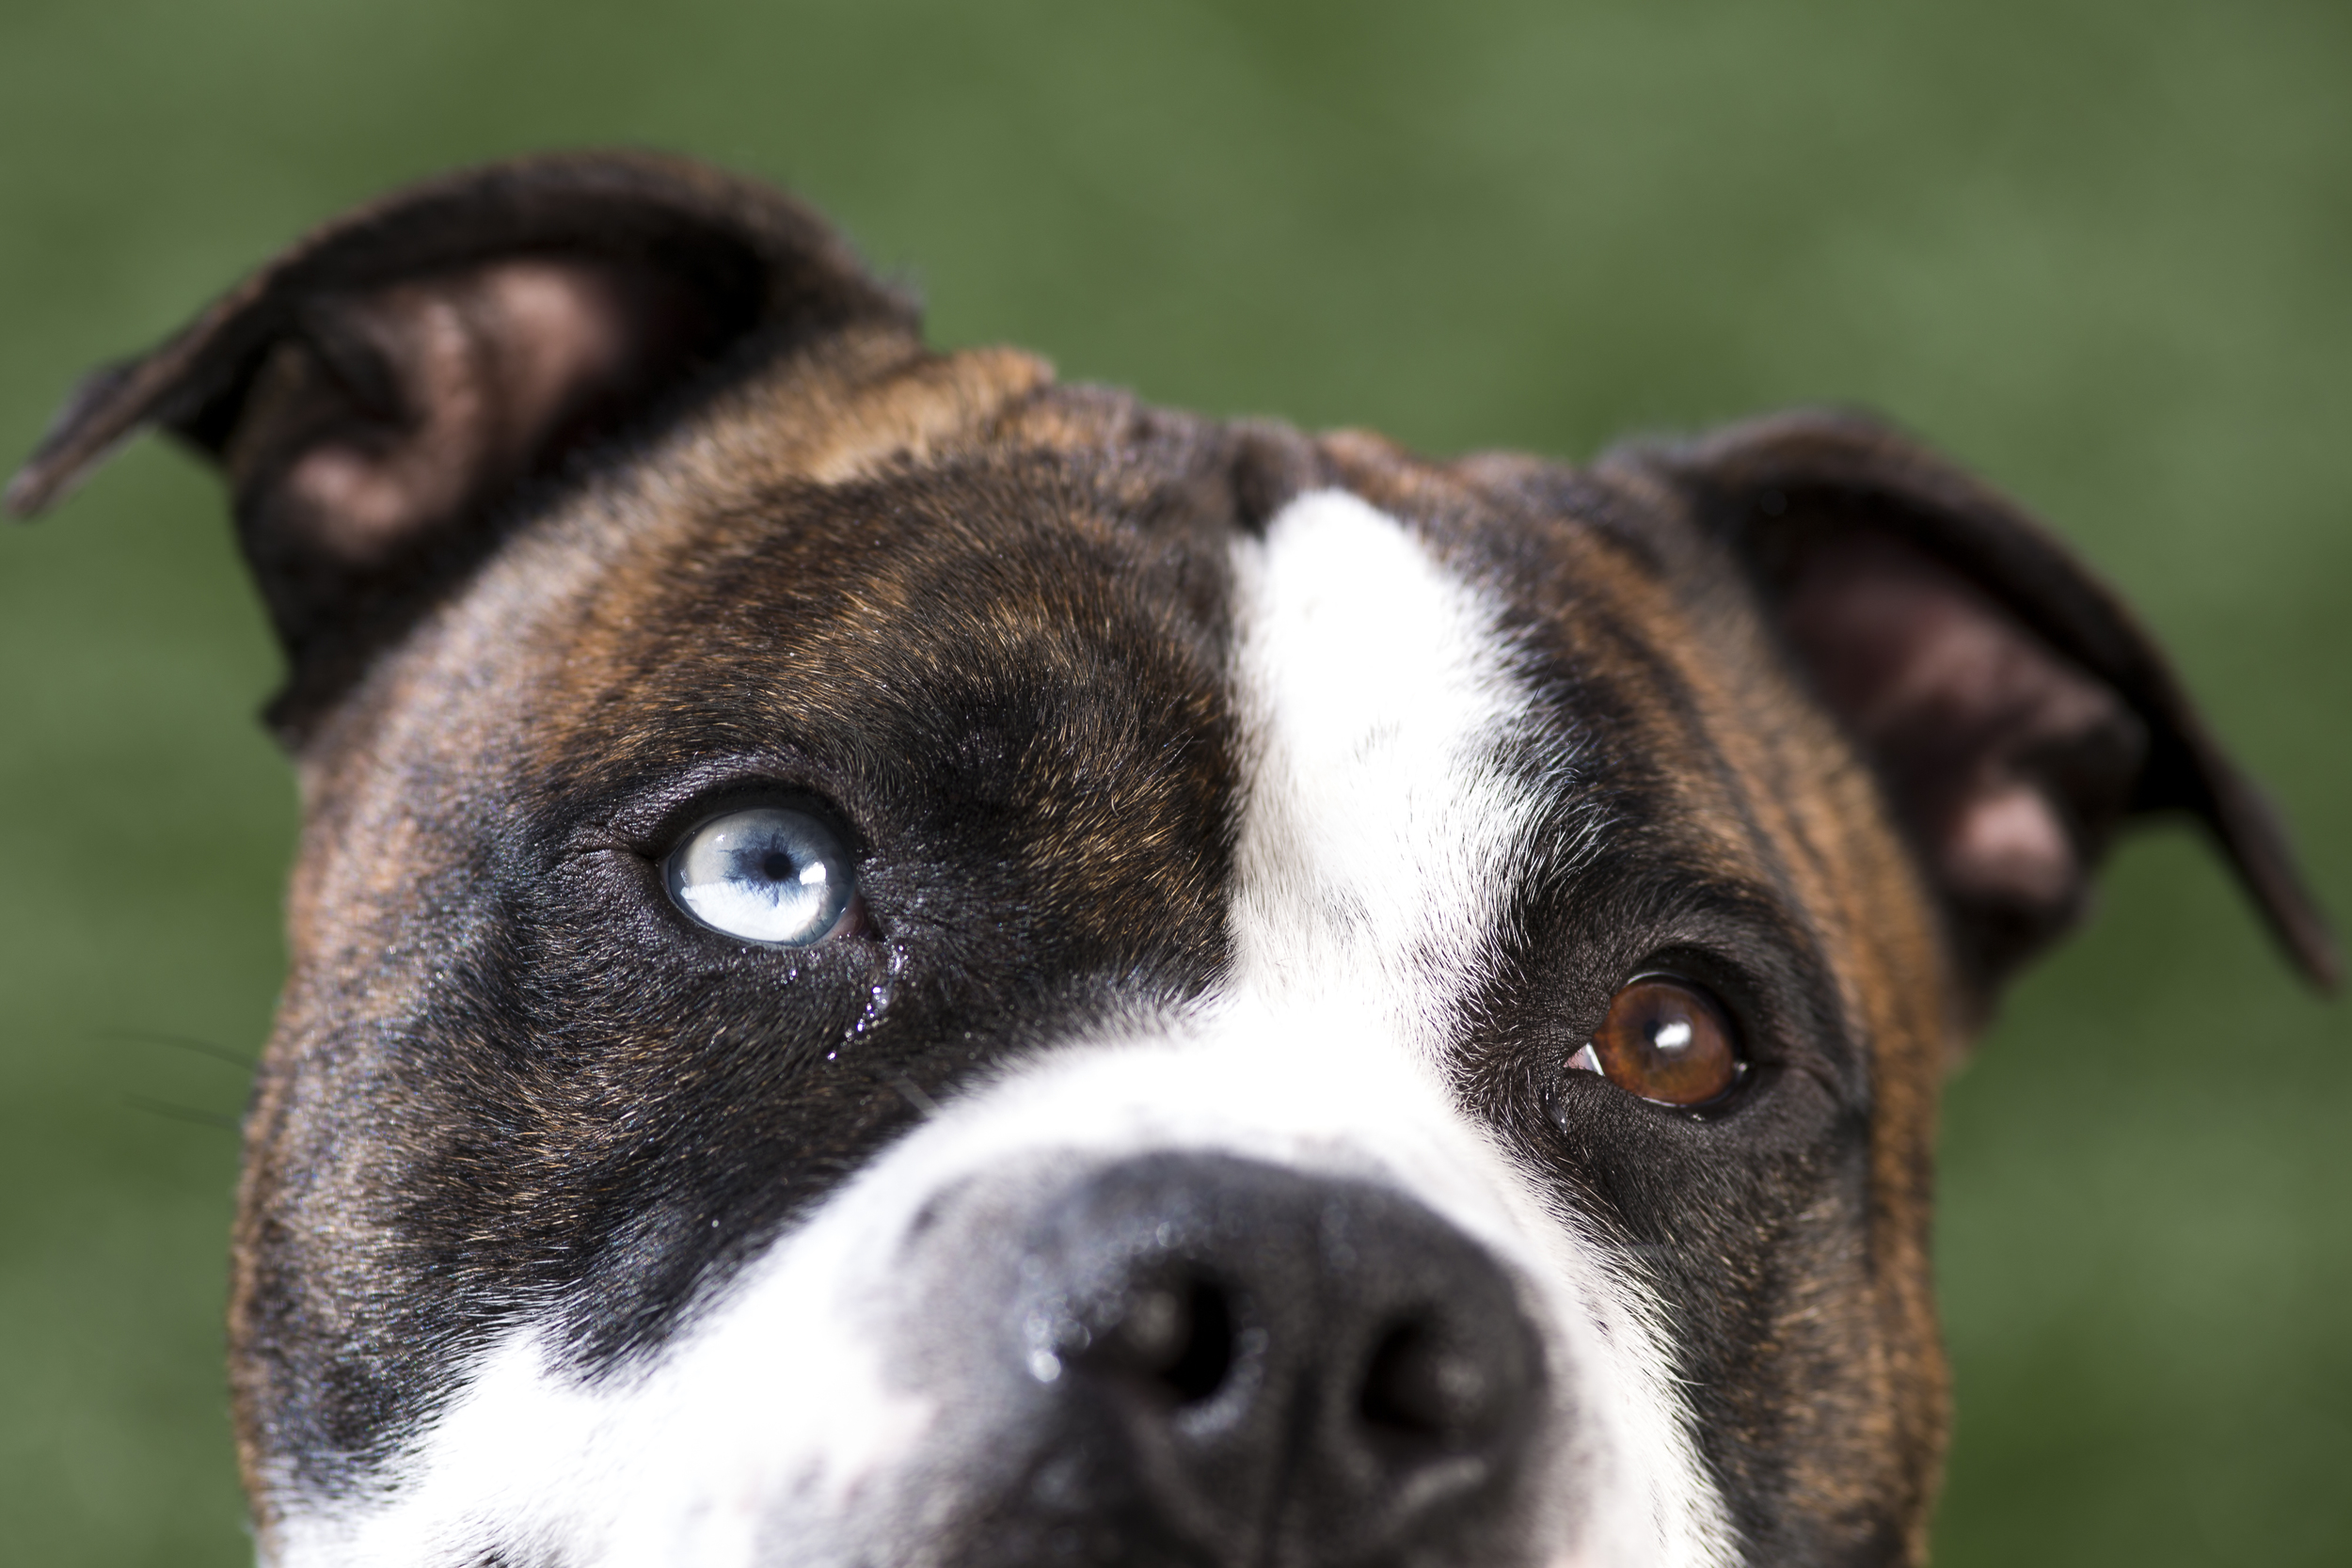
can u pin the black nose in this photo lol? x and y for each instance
(1244, 1364)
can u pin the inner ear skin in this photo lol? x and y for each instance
(2010, 766)
(400, 405)
(375, 436)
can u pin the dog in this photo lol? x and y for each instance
(896, 963)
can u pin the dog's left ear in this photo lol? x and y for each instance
(2016, 712)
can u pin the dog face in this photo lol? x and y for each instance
(898, 963)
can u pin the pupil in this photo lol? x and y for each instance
(1672, 1036)
(776, 866)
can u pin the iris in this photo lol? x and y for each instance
(768, 875)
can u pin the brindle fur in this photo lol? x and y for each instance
(501, 715)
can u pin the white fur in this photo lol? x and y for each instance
(1384, 819)
(1396, 797)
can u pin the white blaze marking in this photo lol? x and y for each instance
(1396, 787)
(1383, 822)
(1400, 780)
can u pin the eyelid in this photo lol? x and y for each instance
(1741, 998)
(662, 825)
(650, 809)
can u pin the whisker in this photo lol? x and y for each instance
(912, 1094)
(908, 1090)
(189, 1114)
(182, 1042)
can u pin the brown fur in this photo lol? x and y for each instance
(575, 479)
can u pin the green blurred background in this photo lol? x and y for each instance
(2100, 248)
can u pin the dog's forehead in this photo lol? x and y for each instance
(980, 583)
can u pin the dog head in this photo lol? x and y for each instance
(893, 963)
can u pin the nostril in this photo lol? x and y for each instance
(1179, 1338)
(1418, 1386)
(1207, 1354)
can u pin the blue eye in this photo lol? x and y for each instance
(769, 875)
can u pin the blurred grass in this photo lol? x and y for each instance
(2102, 250)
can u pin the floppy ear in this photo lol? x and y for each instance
(2016, 712)
(378, 394)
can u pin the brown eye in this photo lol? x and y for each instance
(1664, 1040)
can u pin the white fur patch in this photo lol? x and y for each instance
(1396, 790)
(1383, 821)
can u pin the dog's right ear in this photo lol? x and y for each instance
(378, 394)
